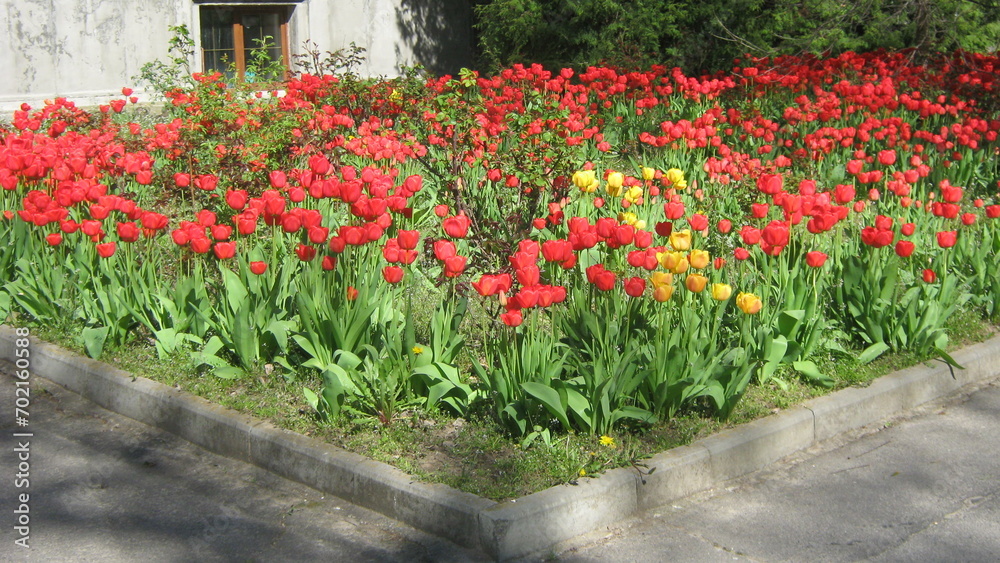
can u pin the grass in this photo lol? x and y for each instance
(473, 455)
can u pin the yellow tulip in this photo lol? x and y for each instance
(699, 259)
(648, 173)
(681, 266)
(696, 283)
(721, 291)
(681, 240)
(661, 278)
(749, 303)
(616, 179)
(640, 224)
(676, 176)
(585, 180)
(627, 218)
(668, 259)
(633, 194)
(663, 293)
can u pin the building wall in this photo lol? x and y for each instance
(87, 50)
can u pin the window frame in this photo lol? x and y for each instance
(282, 10)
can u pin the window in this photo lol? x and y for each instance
(229, 35)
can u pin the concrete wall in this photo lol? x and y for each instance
(87, 50)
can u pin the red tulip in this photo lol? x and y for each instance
(776, 233)
(277, 179)
(605, 280)
(180, 237)
(512, 318)
(444, 249)
(224, 250)
(305, 252)
(769, 183)
(338, 244)
(759, 210)
(206, 218)
(698, 222)
(106, 249)
(128, 232)
(930, 276)
(454, 266)
(392, 274)
(319, 164)
(318, 235)
(206, 182)
(815, 259)
(237, 199)
(201, 244)
(750, 235)
(221, 232)
(54, 239)
(673, 210)
(843, 193)
(635, 286)
(291, 223)
(258, 268)
(489, 285)
(529, 275)
(904, 248)
(408, 239)
(642, 238)
(947, 239)
(456, 226)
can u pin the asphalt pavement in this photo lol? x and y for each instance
(924, 487)
(105, 488)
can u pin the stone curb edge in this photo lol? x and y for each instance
(530, 524)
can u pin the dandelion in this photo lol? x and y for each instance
(418, 350)
(607, 441)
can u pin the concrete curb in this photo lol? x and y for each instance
(530, 524)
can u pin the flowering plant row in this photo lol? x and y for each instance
(640, 242)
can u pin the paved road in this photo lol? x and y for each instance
(924, 488)
(106, 488)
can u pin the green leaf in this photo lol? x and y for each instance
(236, 292)
(947, 359)
(550, 399)
(872, 352)
(311, 398)
(635, 413)
(93, 340)
(228, 372)
(788, 321)
(774, 351)
(812, 373)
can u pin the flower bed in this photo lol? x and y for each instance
(630, 244)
